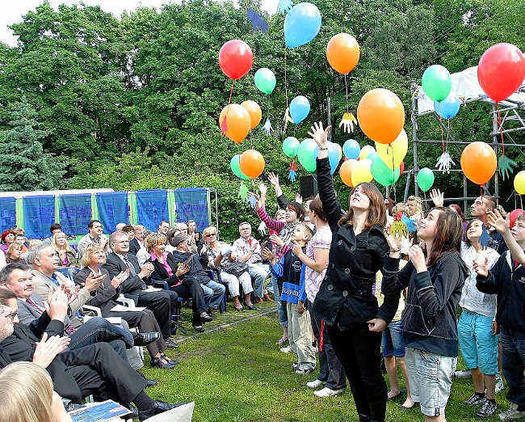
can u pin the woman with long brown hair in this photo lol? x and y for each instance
(345, 301)
(434, 286)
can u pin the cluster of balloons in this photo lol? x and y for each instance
(437, 85)
(307, 151)
(236, 120)
(248, 165)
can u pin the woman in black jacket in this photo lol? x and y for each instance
(345, 301)
(434, 282)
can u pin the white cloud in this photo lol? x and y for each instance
(12, 12)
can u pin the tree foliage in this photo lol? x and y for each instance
(133, 102)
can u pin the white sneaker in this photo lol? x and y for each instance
(286, 349)
(512, 413)
(328, 392)
(462, 374)
(499, 383)
(315, 384)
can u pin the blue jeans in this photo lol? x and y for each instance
(259, 274)
(513, 346)
(213, 293)
(100, 330)
(281, 310)
(392, 341)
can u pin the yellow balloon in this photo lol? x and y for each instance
(366, 151)
(361, 172)
(392, 154)
(519, 182)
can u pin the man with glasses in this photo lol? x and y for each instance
(161, 303)
(248, 249)
(95, 236)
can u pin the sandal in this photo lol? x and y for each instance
(281, 341)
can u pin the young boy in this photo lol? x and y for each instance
(290, 270)
(507, 280)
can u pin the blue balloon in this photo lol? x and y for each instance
(448, 108)
(301, 25)
(334, 155)
(351, 149)
(299, 109)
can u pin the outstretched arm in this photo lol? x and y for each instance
(496, 220)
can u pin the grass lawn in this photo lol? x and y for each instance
(235, 372)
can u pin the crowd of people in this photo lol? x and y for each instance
(366, 290)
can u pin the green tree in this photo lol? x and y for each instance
(24, 166)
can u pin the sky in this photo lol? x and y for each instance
(12, 11)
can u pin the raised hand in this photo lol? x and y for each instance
(277, 240)
(119, 279)
(496, 220)
(482, 267)
(394, 242)
(320, 135)
(273, 178)
(417, 257)
(263, 189)
(93, 282)
(57, 305)
(438, 198)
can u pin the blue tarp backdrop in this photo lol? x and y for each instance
(39, 214)
(75, 213)
(192, 204)
(7, 213)
(152, 208)
(112, 209)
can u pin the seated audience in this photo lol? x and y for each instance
(248, 249)
(105, 297)
(232, 272)
(166, 269)
(163, 228)
(31, 396)
(66, 254)
(194, 237)
(95, 369)
(55, 228)
(95, 236)
(137, 243)
(182, 254)
(161, 303)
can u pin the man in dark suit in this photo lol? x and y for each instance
(95, 369)
(160, 303)
(137, 243)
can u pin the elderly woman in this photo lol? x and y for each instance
(68, 256)
(167, 270)
(233, 272)
(8, 237)
(104, 298)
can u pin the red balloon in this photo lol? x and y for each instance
(401, 168)
(235, 59)
(501, 71)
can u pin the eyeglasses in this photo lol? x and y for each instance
(4, 311)
(211, 234)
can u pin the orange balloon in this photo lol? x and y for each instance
(343, 53)
(381, 115)
(478, 162)
(235, 122)
(254, 111)
(345, 171)
(251, 163)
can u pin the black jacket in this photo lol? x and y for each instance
(197, 271)
(105, 296)
(345, 296)
(114, 265)
(433, 297)
(508, 282)
(134, 246)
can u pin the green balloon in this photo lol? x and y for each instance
(265, 80)
(290, 146)
(425, 179)
(234, 164)
(436, 82)
(306, 155)
(381, 172)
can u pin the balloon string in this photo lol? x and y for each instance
(482, 190)
(442, 133)
(448, 131)
(346, 93)
(285, 79)
(231, 92)
(500, 131)
(521, 202)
